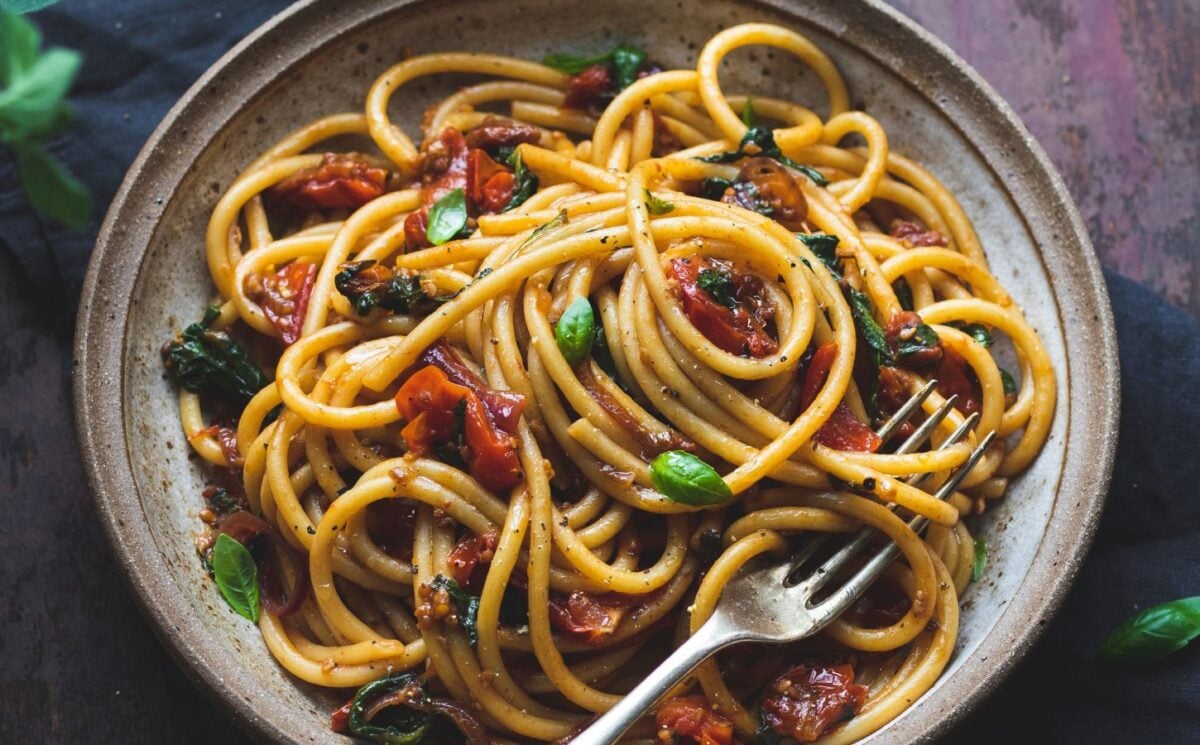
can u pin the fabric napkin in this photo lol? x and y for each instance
(141, 55)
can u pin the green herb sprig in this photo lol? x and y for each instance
(236, 575)
(684, 478)
(33, 86)
(1155, 632)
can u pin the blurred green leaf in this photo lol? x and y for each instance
(50, 188)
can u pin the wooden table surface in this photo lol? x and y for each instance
(1109, 88)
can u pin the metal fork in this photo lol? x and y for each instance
(769, 601)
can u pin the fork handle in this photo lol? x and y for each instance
(709, 638)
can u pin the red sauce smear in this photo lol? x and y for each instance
(843, 430)
(341, 180)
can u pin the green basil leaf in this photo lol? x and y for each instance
(204, 361)
(813, 174)
(1155, 632)
(824, 246)
(980, 560)
(976, 331)
(714, 188)
(51, 189)
(904, 294)
(719, 285)
(447, 217)
(868, 328)
(749, 115)
(525, 182)
(559, 220)
(763, 140)
(19, 44)
(657, 205)
(406, 726)
(573, 64)
(1010, 385)
(575, 331)
(684, 478)
(923, 338)
(32, 104)
(626, 60)
(237, 576)
(24, 6)
(466, 605)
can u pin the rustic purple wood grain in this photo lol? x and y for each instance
(1112, 92)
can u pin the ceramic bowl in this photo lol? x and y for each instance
(148, 278)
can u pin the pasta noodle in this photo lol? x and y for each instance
(543, 382)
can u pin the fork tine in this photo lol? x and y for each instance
(841, 599)
(955, 437)
(905, 412)
(921, 433)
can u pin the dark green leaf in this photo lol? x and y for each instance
(626, 60)
(1010, 385)
(657, 205)
(714, 188)
(719, 285)
(406, 726)
(923, 338)
(979, 333)
(19, 44)
(1155, 632)
(684, 478)
(600, 351)
(573, 64)
(559, 220)
(825, 248)
(466, 606)
(51, 189)
(762, 142)
(447, 217)
(25, 6)
(813, 174)
(904, 294)
(399, 292)
(575, 331)
(210, 362)
(868, 329)
(980, 560)
(765, 735)
(525, 183)
(237, 576)
(749, 116)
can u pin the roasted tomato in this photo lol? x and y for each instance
(342, 180)
(443, 169)
(587, 618)
(495, 132)
(226, 437)
(339, 718)
(806, 702)
(914, 235)
(693, 717)
(470, 553)
(445, 404)
(843, 430)
(895, 387)
(779, 193)
(726, 305)
(588, 87)
(489, 185)
(955, 377)
(283, 297)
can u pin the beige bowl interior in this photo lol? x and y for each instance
(149, 279)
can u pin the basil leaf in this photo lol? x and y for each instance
(976, 331)
(684, 478)
(573, 64)
(824, 246)
(718, 285)
(210, 362)
(714, 188)
(237, 576)
(51, 189)
(864, 319)
(980, 560)
(1010, 385)
(559, 220)
(763, 141)
(447, 217)
(813, 174)
(525, 182)
(466, 605)
(749, 115)
(575, 331)
(406, 727)
(25, 6)
(923, 338)
(904, 294)
(600, 351)
(1155, 632)
(657, 205)
(19, 44)
(626, 60)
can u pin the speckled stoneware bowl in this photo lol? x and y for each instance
(148, 278)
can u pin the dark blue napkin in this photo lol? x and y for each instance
(140, 56)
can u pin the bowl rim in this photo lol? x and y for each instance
(303, 29)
